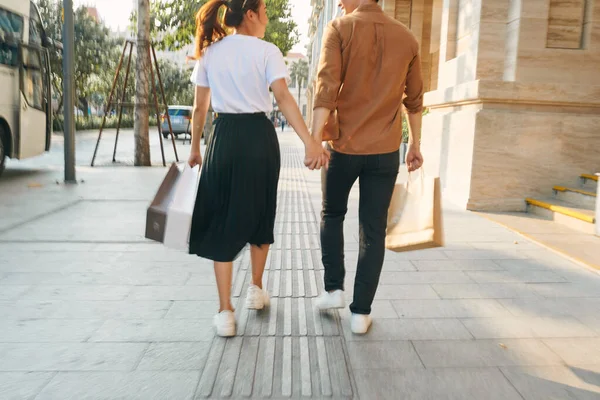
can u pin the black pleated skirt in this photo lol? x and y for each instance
(237, 194)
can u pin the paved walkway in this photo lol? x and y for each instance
(90, 309)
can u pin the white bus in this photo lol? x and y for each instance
(25, 91)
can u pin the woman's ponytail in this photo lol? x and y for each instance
(211, 25)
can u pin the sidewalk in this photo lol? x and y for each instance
(90, 309)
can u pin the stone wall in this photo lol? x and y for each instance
(516, 105)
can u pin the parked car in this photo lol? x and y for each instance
(181, 121)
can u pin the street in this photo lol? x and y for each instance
(91, 309)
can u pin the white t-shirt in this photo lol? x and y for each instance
(239, 70)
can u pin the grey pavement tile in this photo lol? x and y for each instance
(517, 276)
(193, 309)
(485, 353)
(483, 254)
(526, 264)
(201, 279)
(591, 321)
(558, 290)
(379, 309)
(527, 327)
(48, 330)
(429, 254)
(25, 309)
(167, 258)
(399, 292)
(388, 354)
(546, 256)
(70, 356)
(555, 383)
(75, 223)
(172, 330)
(456, 265)
(22, 385)
(516, 245)
(419, 278)
(550, 307)
(484, 290)
(434, 384)
(410, 329)
(13, 292)
(78, 292)
(449, 308)
(576, 351)
(175, 356)
(142, 385)
(207, 292)
(122, 277)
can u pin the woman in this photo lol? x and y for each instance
(237, 194)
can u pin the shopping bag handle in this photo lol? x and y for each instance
(410, 181)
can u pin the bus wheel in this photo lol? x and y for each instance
(3, 146)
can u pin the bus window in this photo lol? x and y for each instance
(32, 83)
(35, 27)
(11, 33)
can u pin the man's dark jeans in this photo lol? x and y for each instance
(377, 176)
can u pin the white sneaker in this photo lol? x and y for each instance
(360, 323)
(327, 301)
(225, 323)
(257, 298)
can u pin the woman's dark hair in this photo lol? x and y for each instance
(211, 25)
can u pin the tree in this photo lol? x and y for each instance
(174, 22)
(94, 49)
(179, 90)
(299, 73)
(142, 82)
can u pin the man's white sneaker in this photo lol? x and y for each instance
(257, 298)
(225, 323)
(360, 323)
(328, 301)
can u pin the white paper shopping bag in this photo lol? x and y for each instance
(179, 213)
(415, 215)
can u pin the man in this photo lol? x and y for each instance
(369, 68)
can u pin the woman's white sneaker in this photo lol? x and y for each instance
(257, 298)
(225, 323)
(328, 301)
(360, 323)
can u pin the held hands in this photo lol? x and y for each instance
(414, 158)
(315, 155)
(195, 159)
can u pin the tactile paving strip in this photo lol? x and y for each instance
(288, 350)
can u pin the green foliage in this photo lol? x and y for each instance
(299, 74)
(93, 123)
(174, 22)
(94, 48)
(405, 126)
(179, 90)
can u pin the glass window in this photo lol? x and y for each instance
(11, 33)
(35, 27)
(33, 83)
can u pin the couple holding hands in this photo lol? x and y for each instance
(369, 71)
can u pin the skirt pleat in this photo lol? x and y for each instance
(237, 195)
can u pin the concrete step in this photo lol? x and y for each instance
(580, 197)
(572, 215)
(589, 182)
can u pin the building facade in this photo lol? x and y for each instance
(513, 93)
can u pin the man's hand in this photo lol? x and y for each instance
(195, 159)
(414, 158)
(315, 155)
